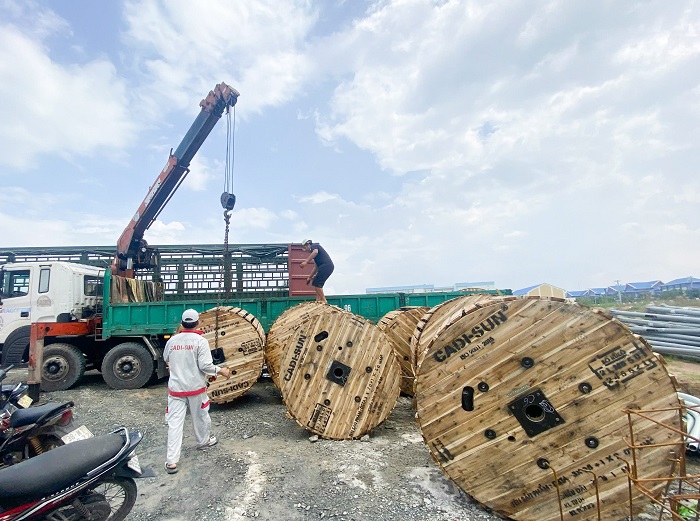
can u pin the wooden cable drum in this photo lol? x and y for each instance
(523, 403)
(240, 348)
(284, 327)
(399, 326)
(431, 322)
(339, 376)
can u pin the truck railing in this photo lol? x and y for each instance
(161, 318)
(187, 271)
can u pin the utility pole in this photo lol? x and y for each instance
(619, 293)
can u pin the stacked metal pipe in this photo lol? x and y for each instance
(670, 330)
(692, 422)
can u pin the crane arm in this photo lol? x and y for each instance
(132, 251)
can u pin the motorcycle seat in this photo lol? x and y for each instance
(22, 417)
(55, 470)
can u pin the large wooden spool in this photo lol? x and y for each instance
(284, 327)
(338, 375)
(520, 396)
(432, 321)
(241, 339)
(399, 326)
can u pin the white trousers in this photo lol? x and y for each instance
(175, 415)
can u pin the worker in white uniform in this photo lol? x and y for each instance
(190, 361)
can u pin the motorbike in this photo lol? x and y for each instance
(15, 394)
(88, 479)
(25, 433)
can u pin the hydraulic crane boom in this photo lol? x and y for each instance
(132, 250)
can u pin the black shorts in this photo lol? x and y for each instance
(322, 275)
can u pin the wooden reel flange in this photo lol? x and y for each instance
(338, 375)
(522, 402)
(432, 321)
(399, 326)
(240, 343)
(284, 327)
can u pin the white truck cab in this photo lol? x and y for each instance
(43, 292)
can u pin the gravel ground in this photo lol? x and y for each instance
(267, 467)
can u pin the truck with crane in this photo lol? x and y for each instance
(64, 318)
(68, 299)
(125, 340)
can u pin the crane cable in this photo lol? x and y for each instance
(228, 200)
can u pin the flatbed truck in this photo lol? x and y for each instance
(64, 319)
(72, 322)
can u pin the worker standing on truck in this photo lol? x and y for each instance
(189, 358)
(322, 269)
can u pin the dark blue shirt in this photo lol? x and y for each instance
(322, 258)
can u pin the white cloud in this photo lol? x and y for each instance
(52, 109)
(289, 215)
(259, 218)
(167, 233)
(319, 198)
(203, 174)
(256, 47)
(507, 141)
(44, 229)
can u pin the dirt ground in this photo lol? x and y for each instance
(687, 375)
(267, 467)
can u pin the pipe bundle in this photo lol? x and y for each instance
(670, 330)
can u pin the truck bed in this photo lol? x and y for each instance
(158, 318)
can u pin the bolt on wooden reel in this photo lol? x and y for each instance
(240, 343)
(399, 325)
(522, 403)
(339, 377)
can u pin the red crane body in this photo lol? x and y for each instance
(132, 250)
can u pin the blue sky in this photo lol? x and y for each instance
(420, 142)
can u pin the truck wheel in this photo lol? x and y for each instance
(127, 366)
(62, 366)
(16, 348)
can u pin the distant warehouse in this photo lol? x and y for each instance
(541, 290)
(430, 288)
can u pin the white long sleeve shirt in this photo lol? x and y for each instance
(190, 361)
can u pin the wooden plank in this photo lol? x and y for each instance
(339, 376)
(399, 326)
(237, 339)
(517, 382)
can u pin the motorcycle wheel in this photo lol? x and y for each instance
(119, 493)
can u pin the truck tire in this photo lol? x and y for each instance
(127, 366)
(16, 348)
(61, 367)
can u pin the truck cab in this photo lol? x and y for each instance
(43, 292)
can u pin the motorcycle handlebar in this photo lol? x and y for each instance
(5, 370)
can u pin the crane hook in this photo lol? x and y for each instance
(228, 201)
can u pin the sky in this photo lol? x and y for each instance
(418, 141)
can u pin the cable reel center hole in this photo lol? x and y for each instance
(338, 373)
(534, 413)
